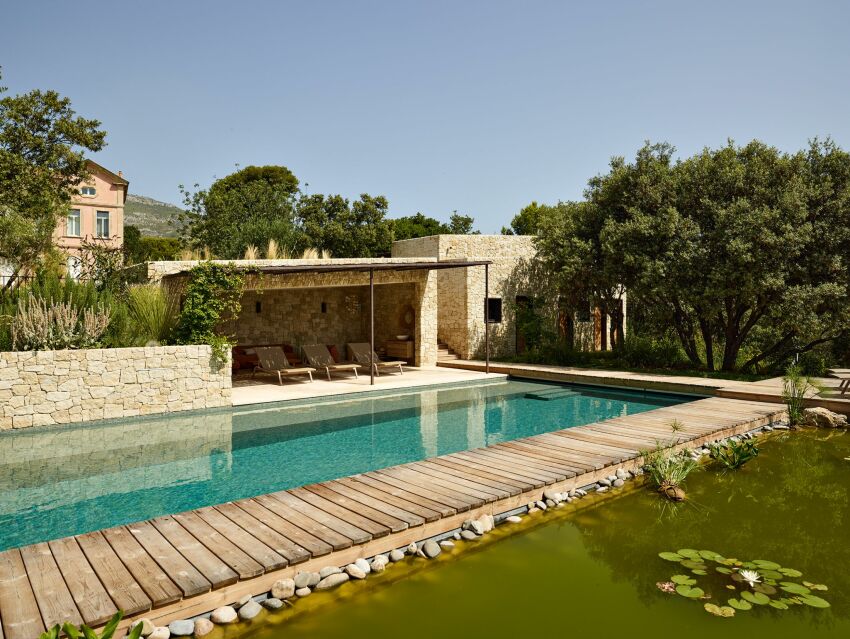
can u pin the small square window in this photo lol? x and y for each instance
(102, 224)
(493, 310)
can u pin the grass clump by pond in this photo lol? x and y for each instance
(734, 454)
(667, 469)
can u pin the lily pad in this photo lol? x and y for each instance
(766, 565)
(757, 598)
(719, 611)
(689, 591)
(811, 586)
(723, 570)
(670, 556)
(710, 555)
(683, 579)
(699, 571)
(690, 553)
(790, 572)
(693, 565)
(771, 574)
(765, 589)
(740, 604)
(814, 601)
(779, 605)
(794, 588)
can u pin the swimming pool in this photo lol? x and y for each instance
(66, 480)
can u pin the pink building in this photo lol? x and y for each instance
(96, 215)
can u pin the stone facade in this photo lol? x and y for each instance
(461, 291)
(291, 304)
(59, 387)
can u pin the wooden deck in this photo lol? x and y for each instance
(185, 564)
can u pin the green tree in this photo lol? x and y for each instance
(462, 224)
(345, 229)
(742, 250)
(248, 208)
(527, 221)
(419, 225)
(42, 142)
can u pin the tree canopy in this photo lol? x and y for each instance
(42, 145)
(527, 221)
(743, 250)
(419, 225)
(248, 208)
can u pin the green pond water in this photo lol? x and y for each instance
(591, 571)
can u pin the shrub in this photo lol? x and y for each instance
(667, 469)
(795, 388)
(39, 324)
(650, 352)
(152, 314)
(814, 363)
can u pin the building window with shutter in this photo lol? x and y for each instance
(102, 224)
(72, 228)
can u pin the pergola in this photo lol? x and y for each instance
(371, 267)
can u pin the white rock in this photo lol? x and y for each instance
(250, 610)
(160, 632)
(303, 592)
(513, 519)
(354, 571)
(363, 565)
(327, 571)
(396, 555)
(147, 626)
(332, 581)
(283, 589)
(224, 615)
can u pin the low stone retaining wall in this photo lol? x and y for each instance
(59, 387)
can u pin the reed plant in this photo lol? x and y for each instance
(152, 314)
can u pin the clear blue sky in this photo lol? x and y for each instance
(475, 106)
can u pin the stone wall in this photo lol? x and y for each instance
(461, 291)
(60, 387)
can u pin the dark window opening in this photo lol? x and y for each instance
(493, 310)
(258, 307)
(324, 307)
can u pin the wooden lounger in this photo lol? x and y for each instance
(843, 374)
(273, 360)
(360, 354)
(319, 356)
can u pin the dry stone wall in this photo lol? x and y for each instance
(59, 387)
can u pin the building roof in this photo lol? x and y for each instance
(116, 179)
(282, 267)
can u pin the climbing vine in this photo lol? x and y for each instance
(213, 295)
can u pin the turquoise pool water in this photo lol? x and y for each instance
(67, 480)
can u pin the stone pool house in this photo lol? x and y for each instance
(429, 300)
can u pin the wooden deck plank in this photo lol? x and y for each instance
(89, 595)
(397, 498)
(119, 583)
(221, 547)
(214, 570)
(291, 551)
(268, 558)
(147, 573)
(51, 593)
(21, 616)
(433, 496)
(362, 507)
(298, 519)
(181, 571)
(465, 479)
(301, 538)
(331, 507)
(355, 534)
(392, 507)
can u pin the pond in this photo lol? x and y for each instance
(592, 570)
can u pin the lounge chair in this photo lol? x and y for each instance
(272, 359)
(319, 356)
(360, 354)
(843, 374)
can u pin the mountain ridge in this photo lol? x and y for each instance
(151, 216)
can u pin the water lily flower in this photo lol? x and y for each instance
(751, 577)
(666, 586)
